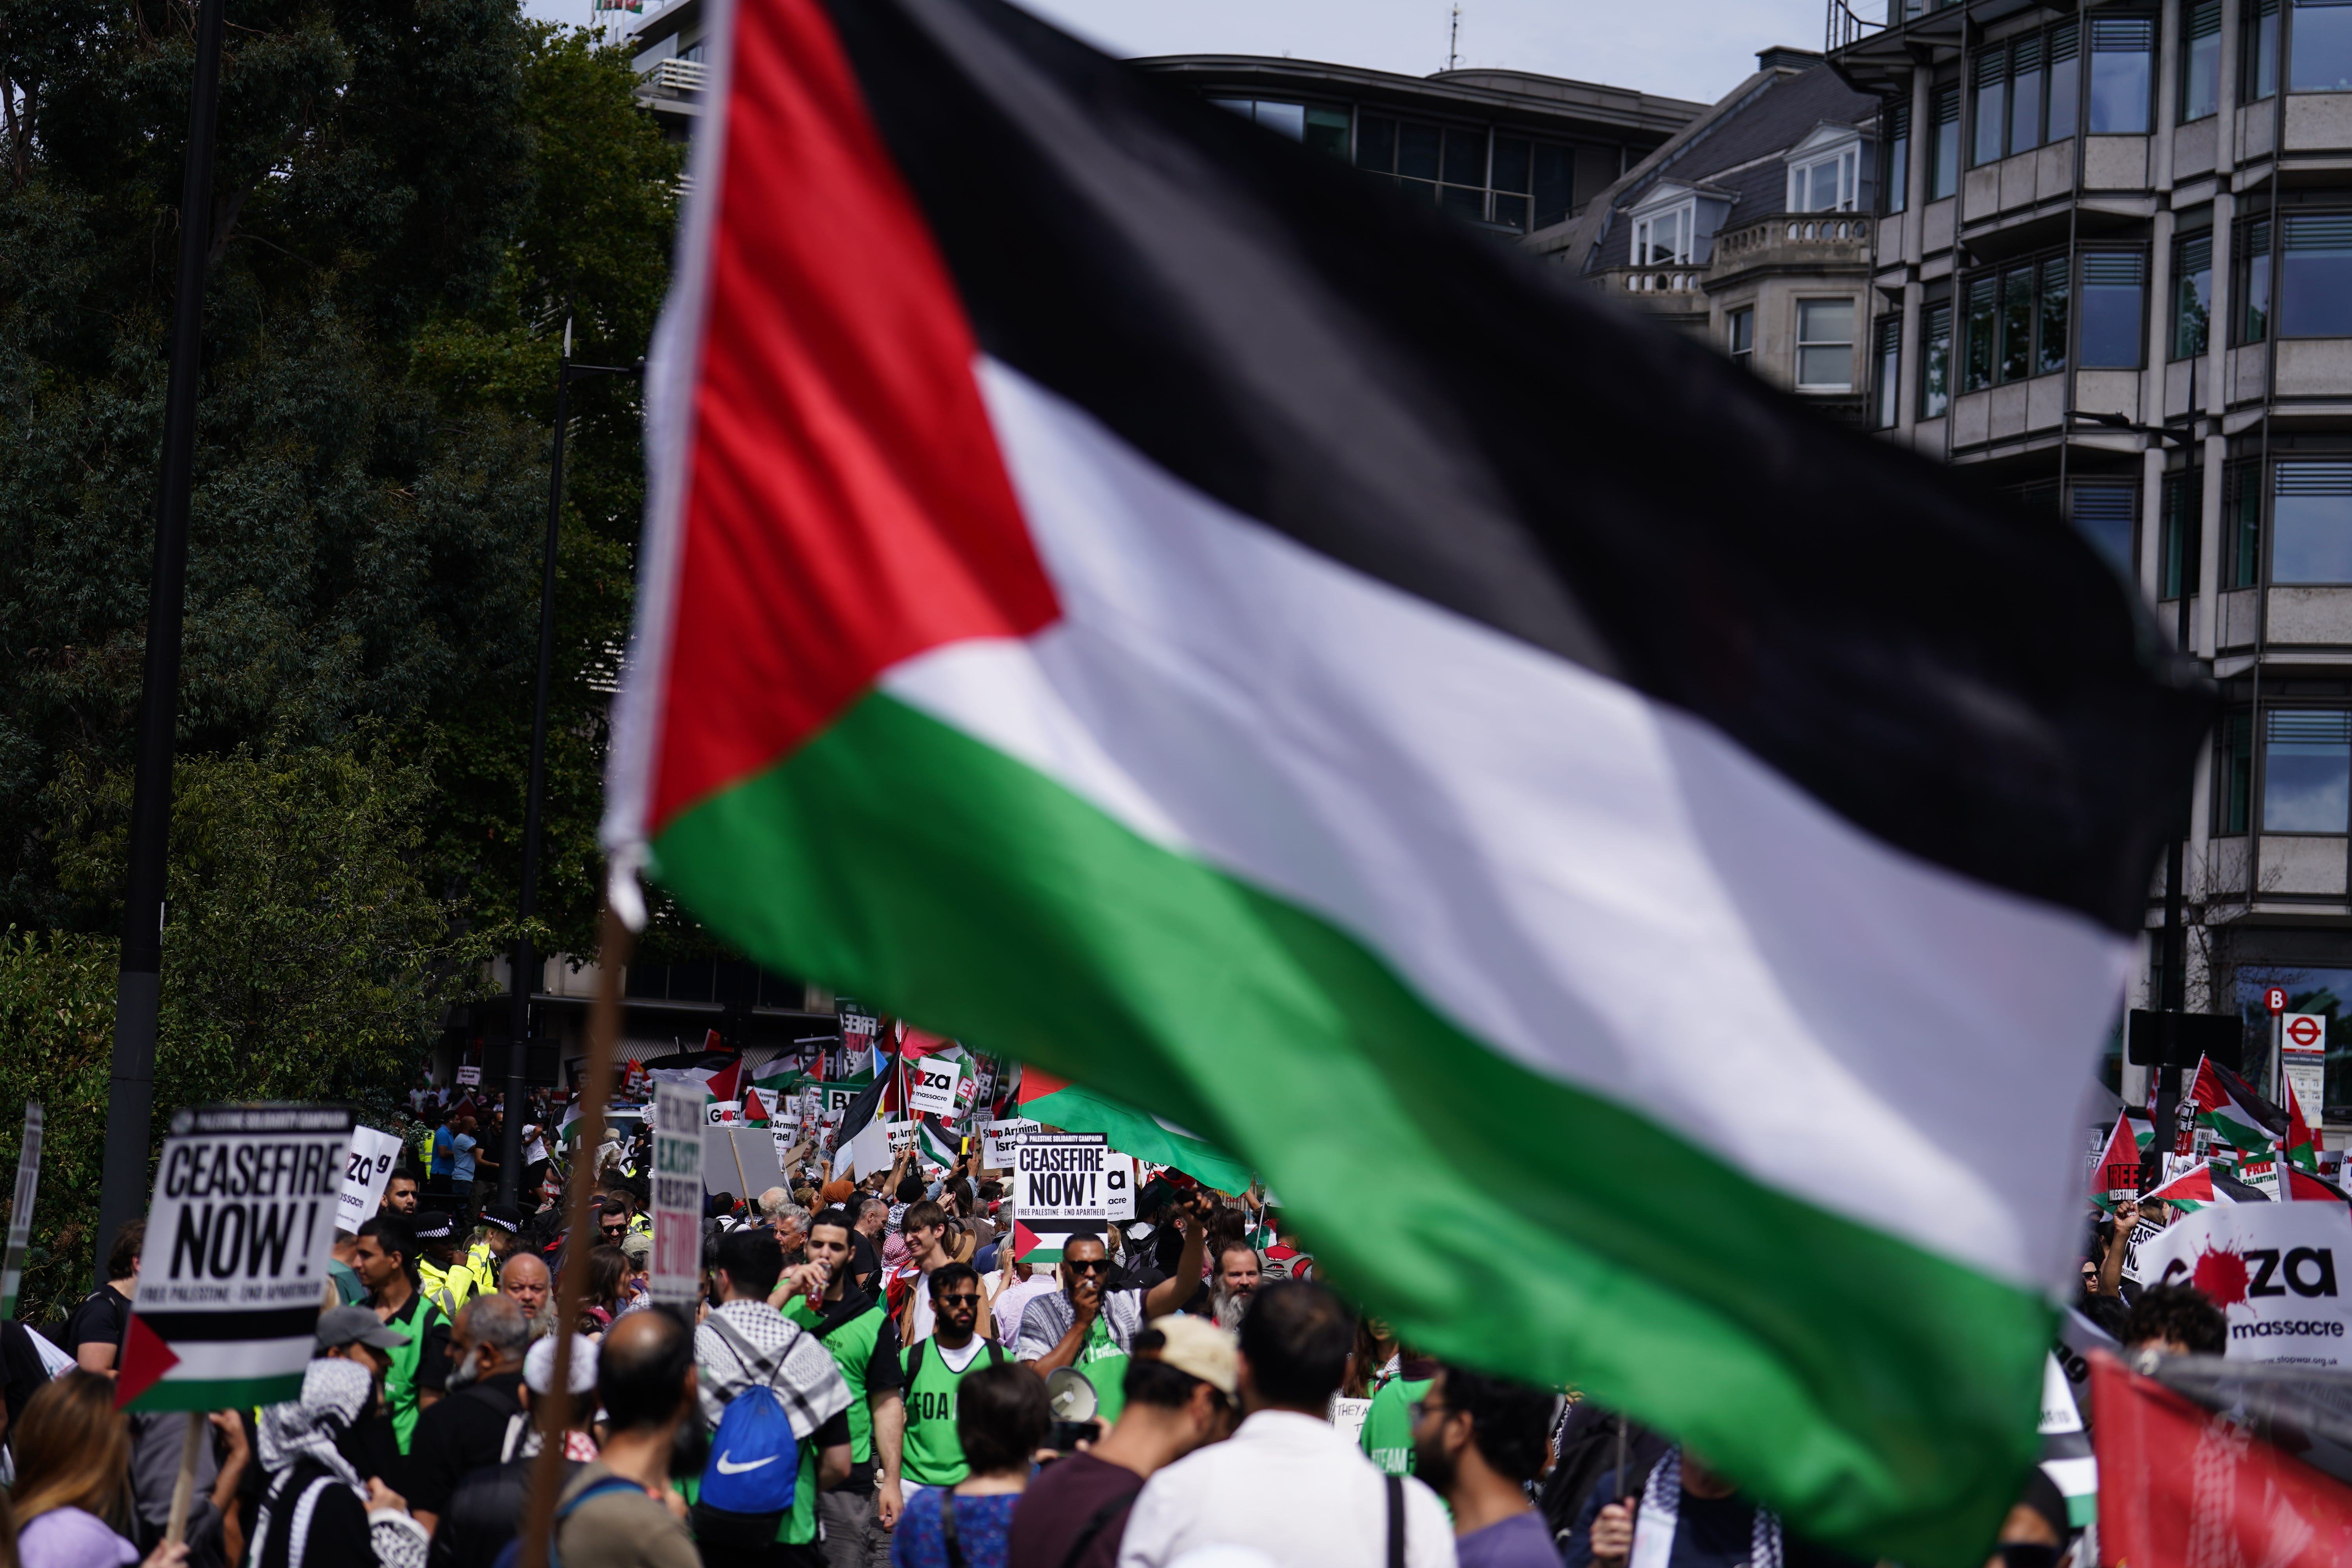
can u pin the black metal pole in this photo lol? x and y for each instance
(526, 960)
(138, 987)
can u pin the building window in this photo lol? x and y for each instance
(2259, 71)
(1740, 336)
(1989, 112)
(2307, 770)
(1825, 345)
(2065, 83)
(1983, 299)
(1935, 359)
(1829, 183)
(2016, 323)
(2241, 525)
(2123, 58)
(2316, 270)
(2251, 281)
(2311, 523)
(1887, 368)
(2105, 514)
(2182, 535)
(2114, 283)
(1663, 239)
(1322, 127)
(1943, 151)
(2322, 47)
(2233, 771)
(2025, 79)
(1898, 144)
(2192, 293)
(1514, 183)
(2201, 60)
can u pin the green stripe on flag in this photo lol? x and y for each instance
(217, 1394)
(1493, 1215)
(1074, 1109)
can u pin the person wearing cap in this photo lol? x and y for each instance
(445, 1278)
(501, 1234)
(419, 1368)
(356, 1334)
(858, 1512)
(1179, 1389)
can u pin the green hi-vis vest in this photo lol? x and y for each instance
(852, 1344)
(1387, 1424)
(399, 1379)
(934, 1455)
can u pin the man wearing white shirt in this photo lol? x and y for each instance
(1287, 1485)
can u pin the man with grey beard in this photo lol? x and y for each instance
(1235, 1279)
(523, 1280)
(468, 1426)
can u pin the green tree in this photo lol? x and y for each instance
(56, 1015)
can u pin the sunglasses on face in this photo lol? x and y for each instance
(1090, 1265)
(959, 1300)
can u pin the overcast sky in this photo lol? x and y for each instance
(1684, 49)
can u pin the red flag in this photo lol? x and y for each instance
(721, 1084)
(2116, 1177)
(2180, 1485)
(917, 1043)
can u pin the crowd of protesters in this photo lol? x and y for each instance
(874, 1374)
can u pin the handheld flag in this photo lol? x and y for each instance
(1059, 1103)
(2236, 1115)
(2116, 1177)
(1195, 621)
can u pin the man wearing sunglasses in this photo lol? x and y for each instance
(929, 1371)
(1091, 1327)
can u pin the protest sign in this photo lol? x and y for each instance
(677, 1202)
(2274, 1270)
(931, 1086)
(367, 1170)
(902, 1135)
(469, 1075)
(2145, 1231)
(1067, 1185)
(226, 1307)
(719, 1112)
(997, 1139)
(20, 1209)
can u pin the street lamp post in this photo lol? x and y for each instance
(526, 958)
(139, 982)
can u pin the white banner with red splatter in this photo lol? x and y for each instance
(2276, 1270)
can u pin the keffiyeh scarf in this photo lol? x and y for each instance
(1661, 1516)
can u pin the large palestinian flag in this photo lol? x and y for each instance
(1129, 593)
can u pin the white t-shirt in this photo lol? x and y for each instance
(959, 1359)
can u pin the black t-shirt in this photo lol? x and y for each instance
(458, 1436)
(1061, 1502)
(21, 1371)
(100, 1319)
(483, 1511)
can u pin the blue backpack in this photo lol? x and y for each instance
(755, 1461)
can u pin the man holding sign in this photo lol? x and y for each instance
(1091, 1328)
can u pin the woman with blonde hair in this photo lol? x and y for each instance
(73, 1480)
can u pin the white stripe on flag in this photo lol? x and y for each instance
(1599, 886)
(214, 1361)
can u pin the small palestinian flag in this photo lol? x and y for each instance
(2237, 1116)
(2116, 1178)
(2143, 1128)
(938, 1147)
(2303, 1141)
(1134, 594)
(2209, 1183)
(756, 1110)
(1058, 1103)
(2303, 1186)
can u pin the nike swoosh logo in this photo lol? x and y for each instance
(728, 1468)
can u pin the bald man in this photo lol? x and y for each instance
(523, 1278)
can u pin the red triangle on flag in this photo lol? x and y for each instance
(753, 1110)
(1036, 1083)
(1024, 1241)
(145, 1359)
(721, 1084)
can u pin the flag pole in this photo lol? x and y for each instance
(603, 1029)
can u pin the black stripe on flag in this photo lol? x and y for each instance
(218, 1328)
(1445, 414)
